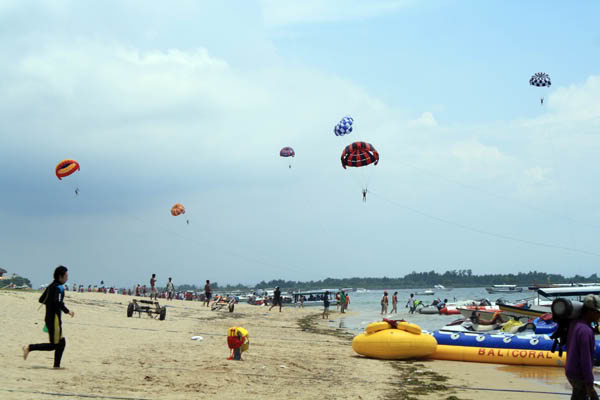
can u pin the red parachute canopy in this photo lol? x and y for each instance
(359, 154)
(177, 209)
(66, 168)
(287, 152)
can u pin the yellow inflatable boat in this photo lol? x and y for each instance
(391, 340)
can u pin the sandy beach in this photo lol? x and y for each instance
(293, 355)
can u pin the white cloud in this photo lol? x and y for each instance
(425, 120)
(277, 12)
(577, 102)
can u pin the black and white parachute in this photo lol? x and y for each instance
(540, 79)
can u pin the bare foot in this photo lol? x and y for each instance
(25, 352)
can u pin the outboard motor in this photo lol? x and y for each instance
(563, 312)
(566, 309)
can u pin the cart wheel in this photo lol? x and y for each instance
(130, 310)
(163, 314)
(231, 306)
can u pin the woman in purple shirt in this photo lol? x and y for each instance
(580, 350)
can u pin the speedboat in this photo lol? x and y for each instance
(504, 289)
(427, 292)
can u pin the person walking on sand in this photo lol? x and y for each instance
(170, 289)
(580, 350)
(301, 301)
(207, 293)
(411, 304)
(276, 299)
(337, 298)
(384, 303)
(153, 292)
(326, 306)
(395, 303)
(53, 298)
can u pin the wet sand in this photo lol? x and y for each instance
(293, 355)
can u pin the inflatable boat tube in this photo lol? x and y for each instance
(429, 310)
(499, 356)
(400, 343)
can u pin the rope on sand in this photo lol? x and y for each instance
(508, 390)
(87, 396)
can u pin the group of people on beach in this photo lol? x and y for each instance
(580, 342)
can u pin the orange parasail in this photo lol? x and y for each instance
(177, 209)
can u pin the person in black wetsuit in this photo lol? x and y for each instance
(53, 298)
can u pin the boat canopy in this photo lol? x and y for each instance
(569, 291)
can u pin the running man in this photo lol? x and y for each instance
(170, 289)
(276, 299)
(53, 297)
(153, 292)
(207, 293)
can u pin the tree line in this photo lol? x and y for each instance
(416, 280)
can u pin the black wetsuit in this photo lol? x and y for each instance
(53, 298)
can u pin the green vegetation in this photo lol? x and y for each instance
(454, 278)
(16, 280)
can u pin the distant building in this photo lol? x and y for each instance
(2, 272)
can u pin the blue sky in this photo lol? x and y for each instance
(190, 102)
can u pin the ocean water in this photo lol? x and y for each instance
(365, 307)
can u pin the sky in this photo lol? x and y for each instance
(191, 101)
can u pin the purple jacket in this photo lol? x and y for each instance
(580, 352)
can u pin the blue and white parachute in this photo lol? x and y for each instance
(540, 79)
(344, 127)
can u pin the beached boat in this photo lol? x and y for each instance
(315, 297)
(504, 289)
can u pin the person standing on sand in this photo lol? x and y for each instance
(326, 306)
(53, 297)
(170, 289)
(580, 350)
(337, 298)
(347, 303)
(276, 299)
(301, 301)
(411, 304)
(384, 303)
(395, 303)
(207, 293)
(153, 292)
(342, 301)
